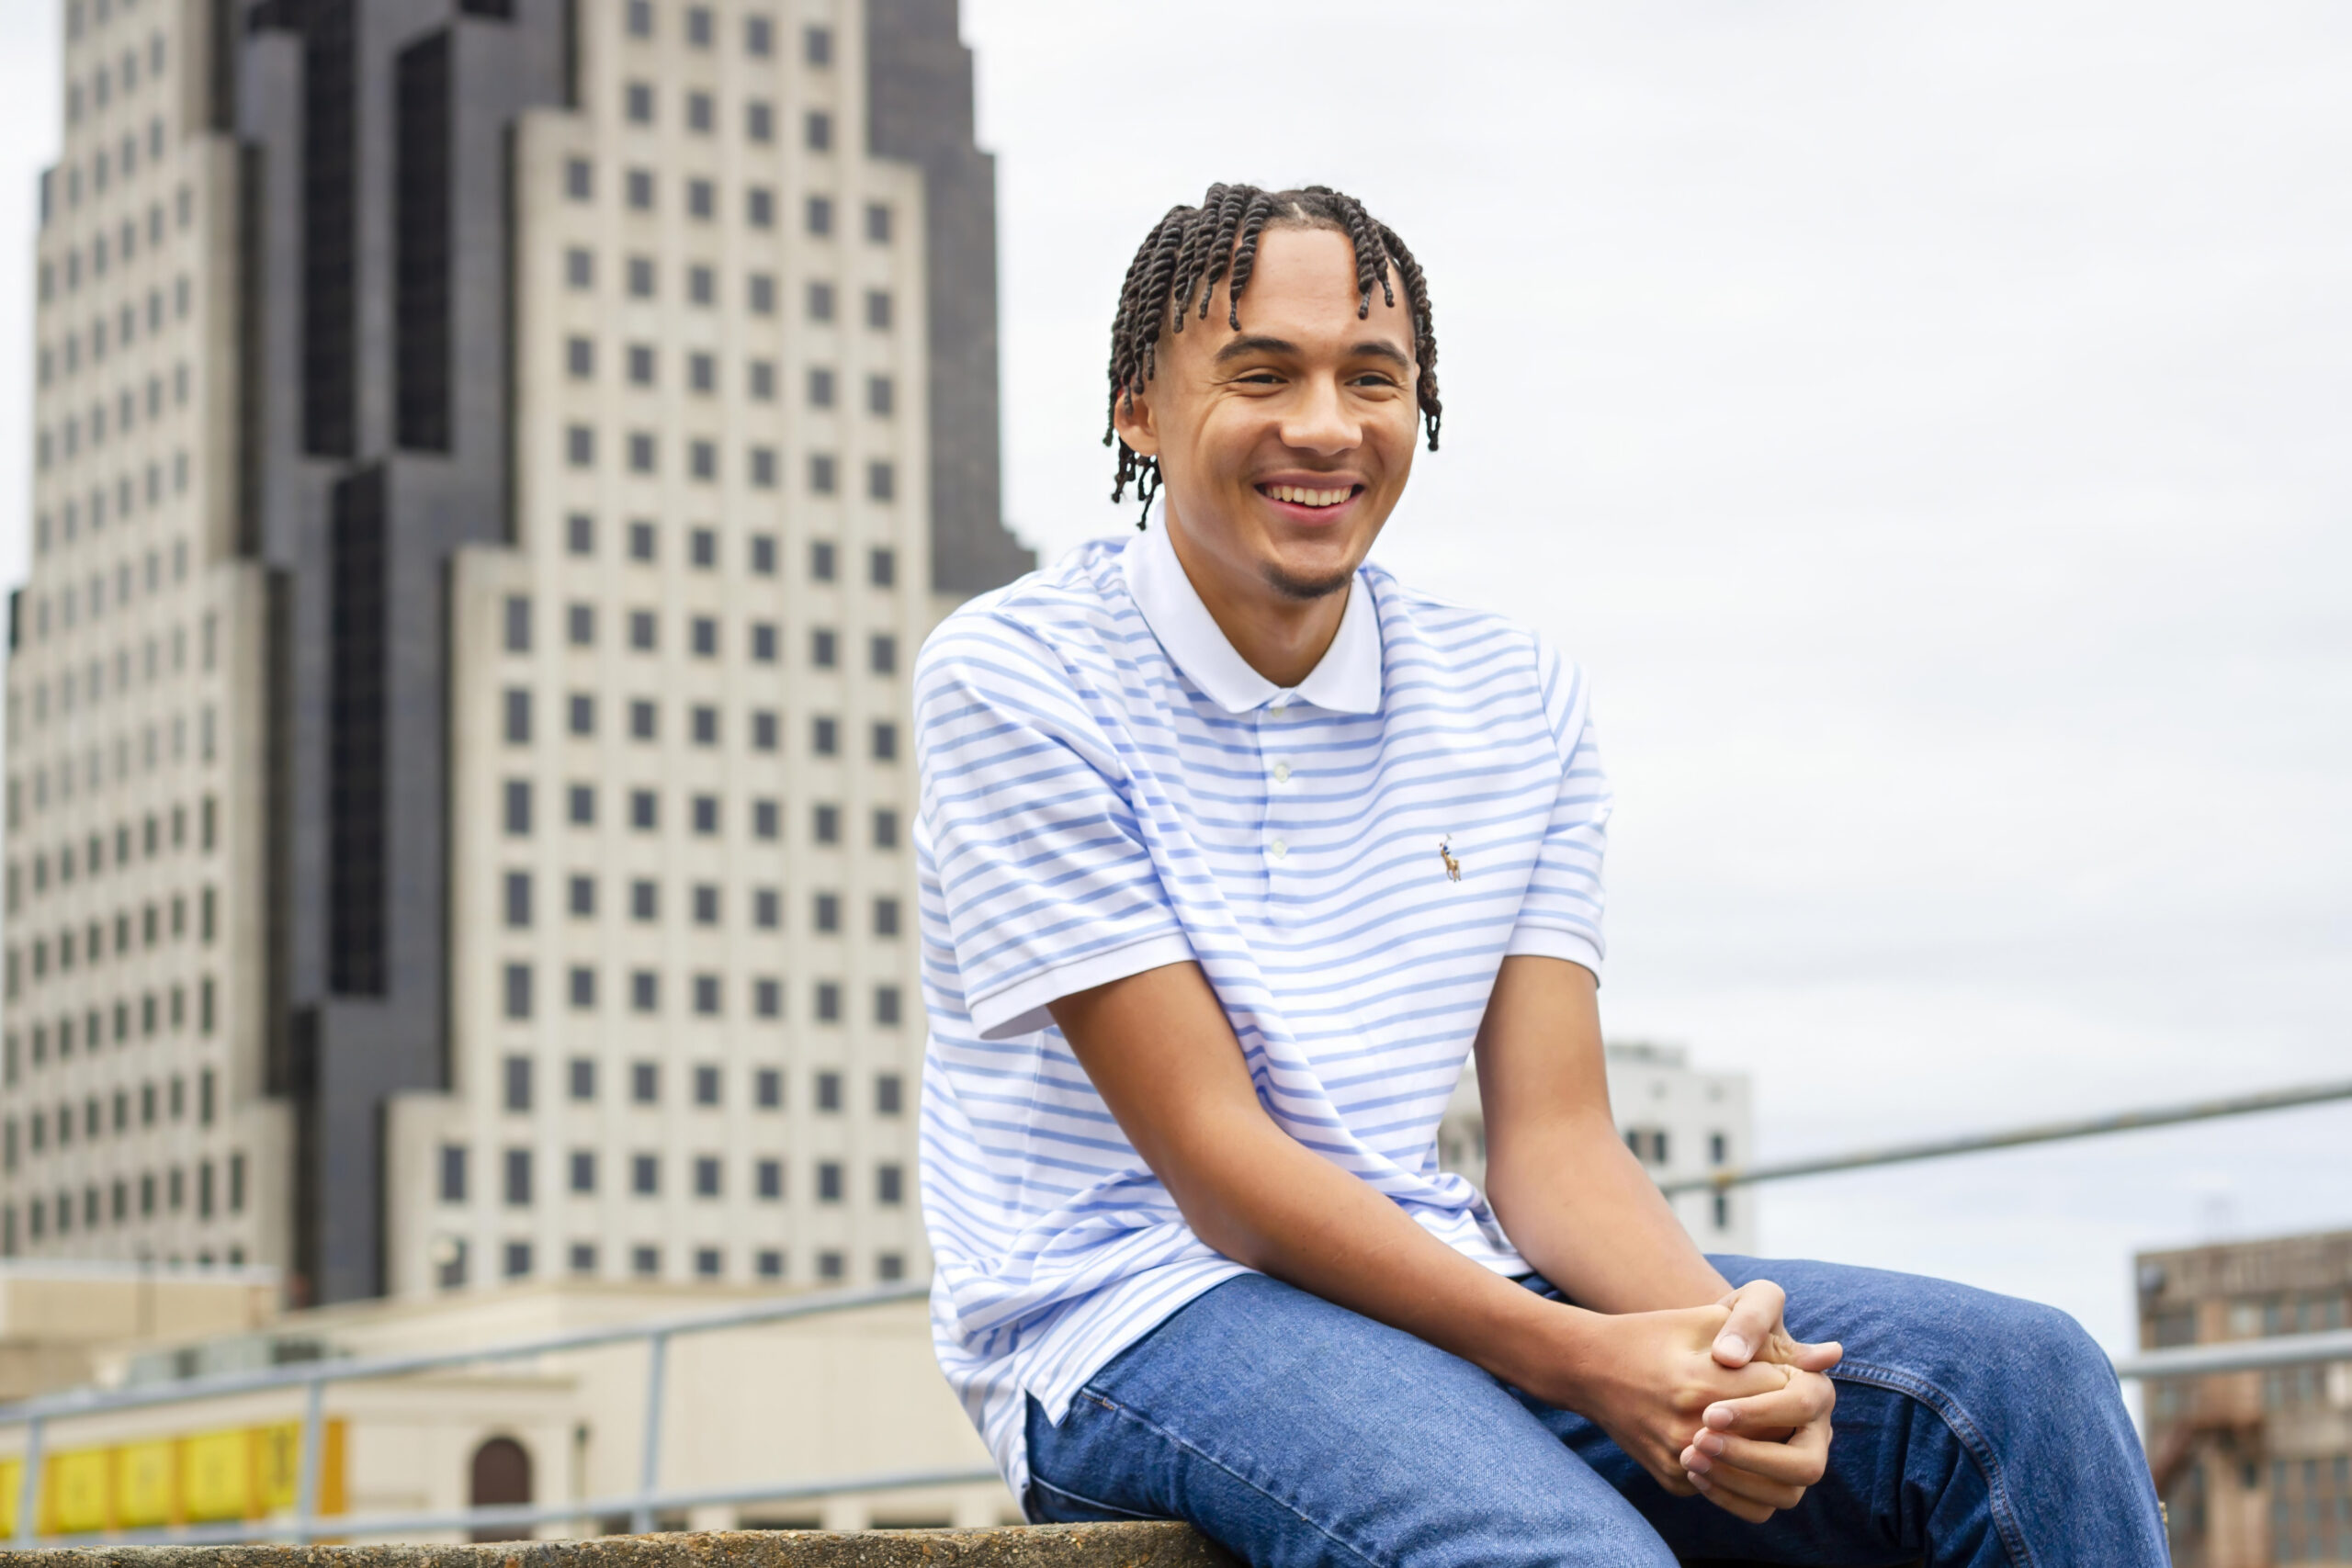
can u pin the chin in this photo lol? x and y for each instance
(1307, 581)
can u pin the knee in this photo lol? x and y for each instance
(2031, 1334)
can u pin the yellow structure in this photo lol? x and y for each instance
(231, 1472)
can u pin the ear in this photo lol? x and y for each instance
(1136, 424)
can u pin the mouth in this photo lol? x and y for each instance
(1311, 504)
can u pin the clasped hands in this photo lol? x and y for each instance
(1718, 1401)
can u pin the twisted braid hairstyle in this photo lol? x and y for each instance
(1193, 248)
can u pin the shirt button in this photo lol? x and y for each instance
(1279, 848)
(1281, 773)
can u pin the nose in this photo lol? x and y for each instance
(1319, 421)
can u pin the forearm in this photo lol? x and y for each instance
(1263, 1199)
(1580, 1207)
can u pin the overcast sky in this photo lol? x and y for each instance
(1929, 426)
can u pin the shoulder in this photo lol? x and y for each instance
(1049, 622)
(1427, 636)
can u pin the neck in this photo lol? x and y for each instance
(1281, 637)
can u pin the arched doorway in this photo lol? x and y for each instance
(502, 1473)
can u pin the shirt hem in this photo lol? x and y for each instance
(1020, 1009)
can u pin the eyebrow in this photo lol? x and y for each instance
(1374, 348)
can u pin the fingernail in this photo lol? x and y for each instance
(1720, 1415)
(1732, 1345)
(1696, 1464)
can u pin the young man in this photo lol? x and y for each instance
(1233, 849)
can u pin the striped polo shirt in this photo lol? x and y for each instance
(1108, 787)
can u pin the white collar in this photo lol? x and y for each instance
(1346, 680)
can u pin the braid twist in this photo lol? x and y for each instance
(1193, 248)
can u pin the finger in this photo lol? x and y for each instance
(1797, 1462)
(1755, 1314)
(1731, 1503)
(1817, 1358)
(1773, 1495)
(1808, 1397)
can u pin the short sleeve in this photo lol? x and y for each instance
(1560, 916)
(1042, 869)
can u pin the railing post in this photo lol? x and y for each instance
(306, 1481)
(648, 1469)
(28, 1486)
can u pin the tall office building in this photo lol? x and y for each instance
(495, 460)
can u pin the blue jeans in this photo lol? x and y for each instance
(1971, 1429)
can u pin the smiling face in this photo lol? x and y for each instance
(1282, 446)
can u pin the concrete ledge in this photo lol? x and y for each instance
(1028, 1546)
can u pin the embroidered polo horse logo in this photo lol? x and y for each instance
(1446, 853)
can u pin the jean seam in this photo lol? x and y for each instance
(1036, 1480)
(1971, 1440)
(1206, 1458)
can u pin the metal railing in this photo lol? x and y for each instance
(648, 1501)
(312, 1378)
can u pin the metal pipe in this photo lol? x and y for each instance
(2239, 1356)
(306, 1484)
(2039, 1132)
(28, 1486)
(649, 1463)
(87, 1402)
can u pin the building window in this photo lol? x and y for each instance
(888, 1094)
(645, 1262)
(877, 222)
(644, 810)
(765, 817)
(643, 717)
(886, 916)
(645, 1082)
(639, 186)
(877, 309)
(641, 365)
(518, 900)
(583, 988)
(829, 1001)
(822, 471)
(579, 179)
(518, 991)
(706, 1176)
(759, 207)
(640, 18)
(706, 996)
(821, 215)
(816, 132)
(759, 292)
(882, 654)
(637, 98)
(642, 542)
(580, 531)
(643, 631)
(701, 113)
(764, 727)
(886, 1005)
(889, 1185)
(645, 990)
(885, 828)
(702, 286)
(580, 446)
(705, 814)
(518, 624)
(820, 301)
(764, 642)
(641, 452)
(759, 37)
(583, 1257)
(584, 1172)
(763, 459)
(518, 1178)
(759, 120)
(826, 912)
(518, 808)
(453, 1173)
(702, 199)
(580, 267)
(889, 1266)
(703, 636)
(881, 480)
(767, 998)
(825, 823)
(828, 1181)
(518, 1083)
(832, 1265)
(645, 1175)
(582, 803)
(817, 46)
(640, 277)
(825, 736)
(768, 1179)
(767, 1089)
(820, 386)
(699, 26)
(885, 738)
(581, 1078)
(881, 568)
(824, 648)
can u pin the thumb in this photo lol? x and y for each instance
(1755, 1314)
(1817, 1358)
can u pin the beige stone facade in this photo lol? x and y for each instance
(2254, 1468)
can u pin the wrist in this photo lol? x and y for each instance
(1555, 1354)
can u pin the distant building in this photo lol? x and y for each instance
(2254, 1468)
(495, 463)
(1681, 1122)
(813, 1400)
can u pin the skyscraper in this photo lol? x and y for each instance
(495, 460)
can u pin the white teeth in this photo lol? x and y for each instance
(1299, 497)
